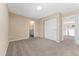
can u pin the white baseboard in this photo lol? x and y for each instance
(17, 39)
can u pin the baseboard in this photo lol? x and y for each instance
(21, 39)
(17, 39)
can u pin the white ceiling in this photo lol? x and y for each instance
(29, 9)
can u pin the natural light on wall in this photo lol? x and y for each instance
(32, 22)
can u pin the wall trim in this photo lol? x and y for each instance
(17, 39)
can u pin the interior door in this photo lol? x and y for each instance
(50, 29)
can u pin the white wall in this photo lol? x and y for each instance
(3, 29)
(18, 27)
(77, 30)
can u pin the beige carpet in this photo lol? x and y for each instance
(42, 47)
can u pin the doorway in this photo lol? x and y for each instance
(32, 29)
(68, 28)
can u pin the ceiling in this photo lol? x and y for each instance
(30, 9)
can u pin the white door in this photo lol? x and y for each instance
(50, 29)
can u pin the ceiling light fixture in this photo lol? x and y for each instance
(39, 8)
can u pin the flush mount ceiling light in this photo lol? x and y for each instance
(39, 8)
